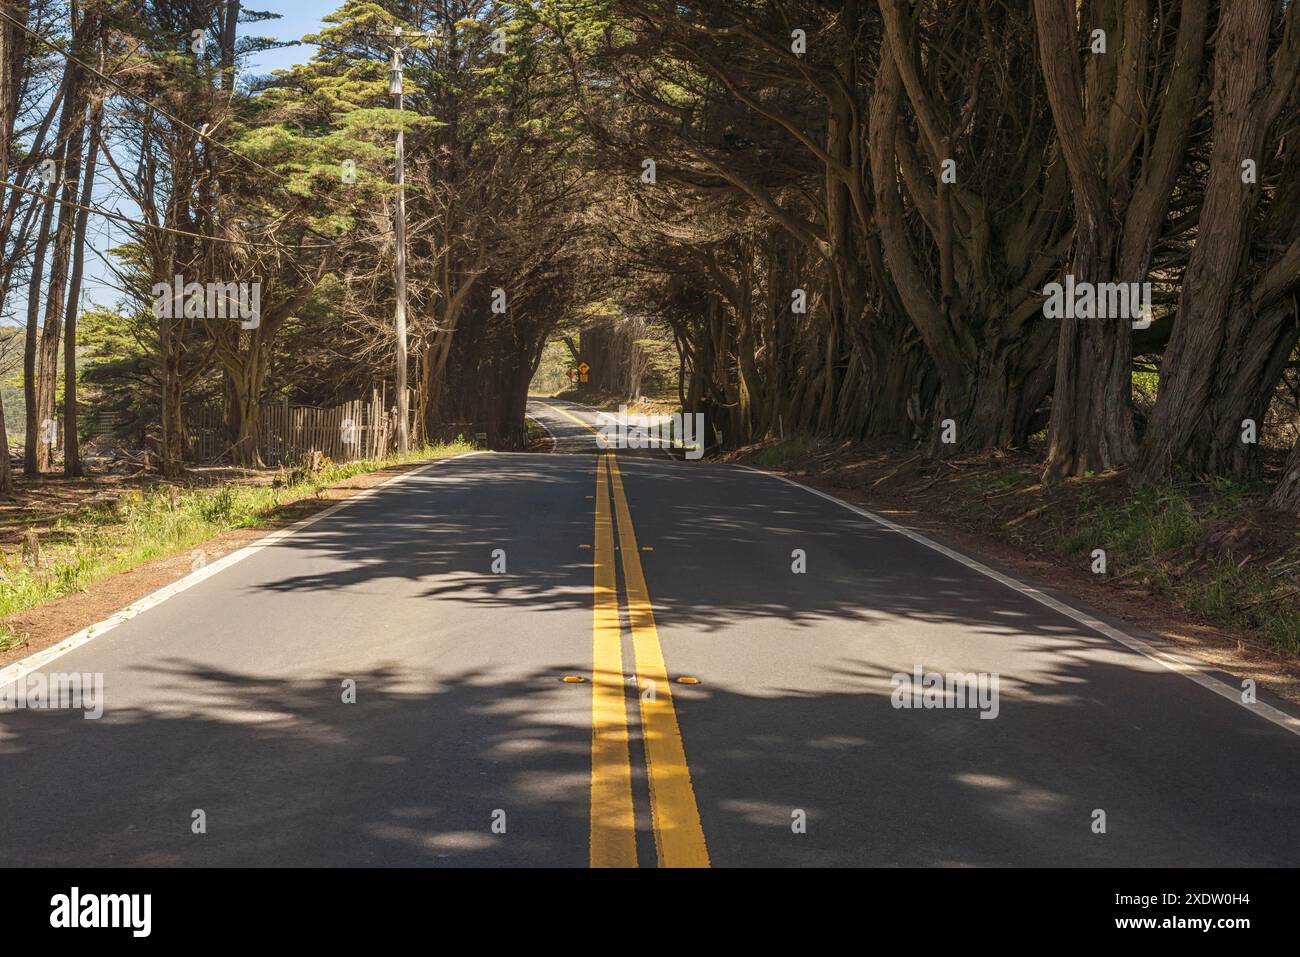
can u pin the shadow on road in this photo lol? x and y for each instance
(794, 714)
(289, 775)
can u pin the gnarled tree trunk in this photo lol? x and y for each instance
(1235, 314)
(1286, 497)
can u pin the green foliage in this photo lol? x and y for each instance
(94, 542)
(551, 376)
(1154, 531)
(1144, 526)
(11, 388)
(1145, 384)
(779, 453)
(1249, 597)
(118, 367)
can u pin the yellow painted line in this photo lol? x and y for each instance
(679, 837)
(613, 826)
(569, 415)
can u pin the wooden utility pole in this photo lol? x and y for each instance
(399, 260)
(399, 228)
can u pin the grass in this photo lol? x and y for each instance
(779, 453)
(1250, 597)
(91, 543)
(1154, 532)
(1146, 526)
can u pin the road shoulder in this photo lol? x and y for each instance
(60, 622)
(1021, 551)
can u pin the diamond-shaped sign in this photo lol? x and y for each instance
(584, 368)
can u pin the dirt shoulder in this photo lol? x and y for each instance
(993, 507)
(53, 621)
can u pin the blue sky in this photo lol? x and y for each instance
(298, 17)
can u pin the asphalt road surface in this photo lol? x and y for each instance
(454, 602)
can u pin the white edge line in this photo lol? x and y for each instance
(25, 666)
(554, 443)
(1176, 663)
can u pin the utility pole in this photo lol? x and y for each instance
(399, 227)
(399, 260)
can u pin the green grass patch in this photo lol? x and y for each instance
(1149, 525)
(93, 542)
(786, 450)
(1249, 597)
(1154, 532)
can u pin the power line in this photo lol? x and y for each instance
(153, 106)
(201, 134)
(166, 229)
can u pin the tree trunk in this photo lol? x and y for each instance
(11, 56)
(244, 392)
(172, 454)
(1286, 497)
(1255, 352)
(1091, 427)
(1203, 349)
(71, 451)
(18, 237)
(36, 432)
(983, 370)
(71, 128)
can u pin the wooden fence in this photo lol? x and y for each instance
(287, 434)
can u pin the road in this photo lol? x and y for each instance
(466, 746)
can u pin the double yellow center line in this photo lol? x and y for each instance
(613, 827)
(679, 837)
